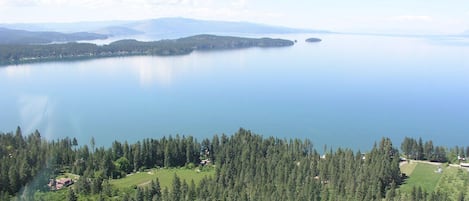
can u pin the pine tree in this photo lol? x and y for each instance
(429, 149)
(71, 196)
(176, 189)
(192, 194)
(14, 179)
(139, 195)
(125, 197)
(420, 153)
(92, 143)
(107, 189)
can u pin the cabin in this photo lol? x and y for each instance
(57, 184)
(205, 162)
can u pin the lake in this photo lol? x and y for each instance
(348, 90)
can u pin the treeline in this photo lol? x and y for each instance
(248, 167)
(426, 150)
(29, 162)
(22, 159)
(16, 54)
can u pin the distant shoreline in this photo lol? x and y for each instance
(22, 54)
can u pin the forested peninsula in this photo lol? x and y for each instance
(18, 54)
(243, 166)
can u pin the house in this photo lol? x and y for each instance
(63, 182)
(205, 162)
(57, 184)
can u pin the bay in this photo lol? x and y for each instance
(347, 91)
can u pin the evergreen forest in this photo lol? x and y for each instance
(246, 166)
(30, 53)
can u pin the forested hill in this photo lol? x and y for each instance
(17, 54)
(248, 167)
(13, 36)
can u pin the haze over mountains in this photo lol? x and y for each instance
(164, 27)
(192, 26)
(13, 36)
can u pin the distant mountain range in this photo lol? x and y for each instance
(191, 26)
(176, 27)
(13, 36)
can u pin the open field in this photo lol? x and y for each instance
(165, 177)
(452, 180)
(423, 175)
(126, 184)
(408, 168)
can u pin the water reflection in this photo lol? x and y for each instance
(346, 90)
(152, 71)
(23, 71)
(37, 112)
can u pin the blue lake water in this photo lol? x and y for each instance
(348, 91)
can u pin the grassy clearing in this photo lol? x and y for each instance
(423, 175)
(127, 184)
(165, 177)
(408, 168)
(454, 181)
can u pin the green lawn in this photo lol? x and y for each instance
(408, 168)
(165, 177)
(125, 185)
(423, 175)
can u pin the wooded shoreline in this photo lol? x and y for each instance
(20, 54)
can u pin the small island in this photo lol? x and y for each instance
(313, 40)
(18, 54)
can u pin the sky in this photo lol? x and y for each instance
(371, 16)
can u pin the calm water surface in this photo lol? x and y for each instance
(345, 91)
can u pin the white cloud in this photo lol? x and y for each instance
(99, 10)
(411, 18)
(239, 4)
(18, 3)
(85, 3)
